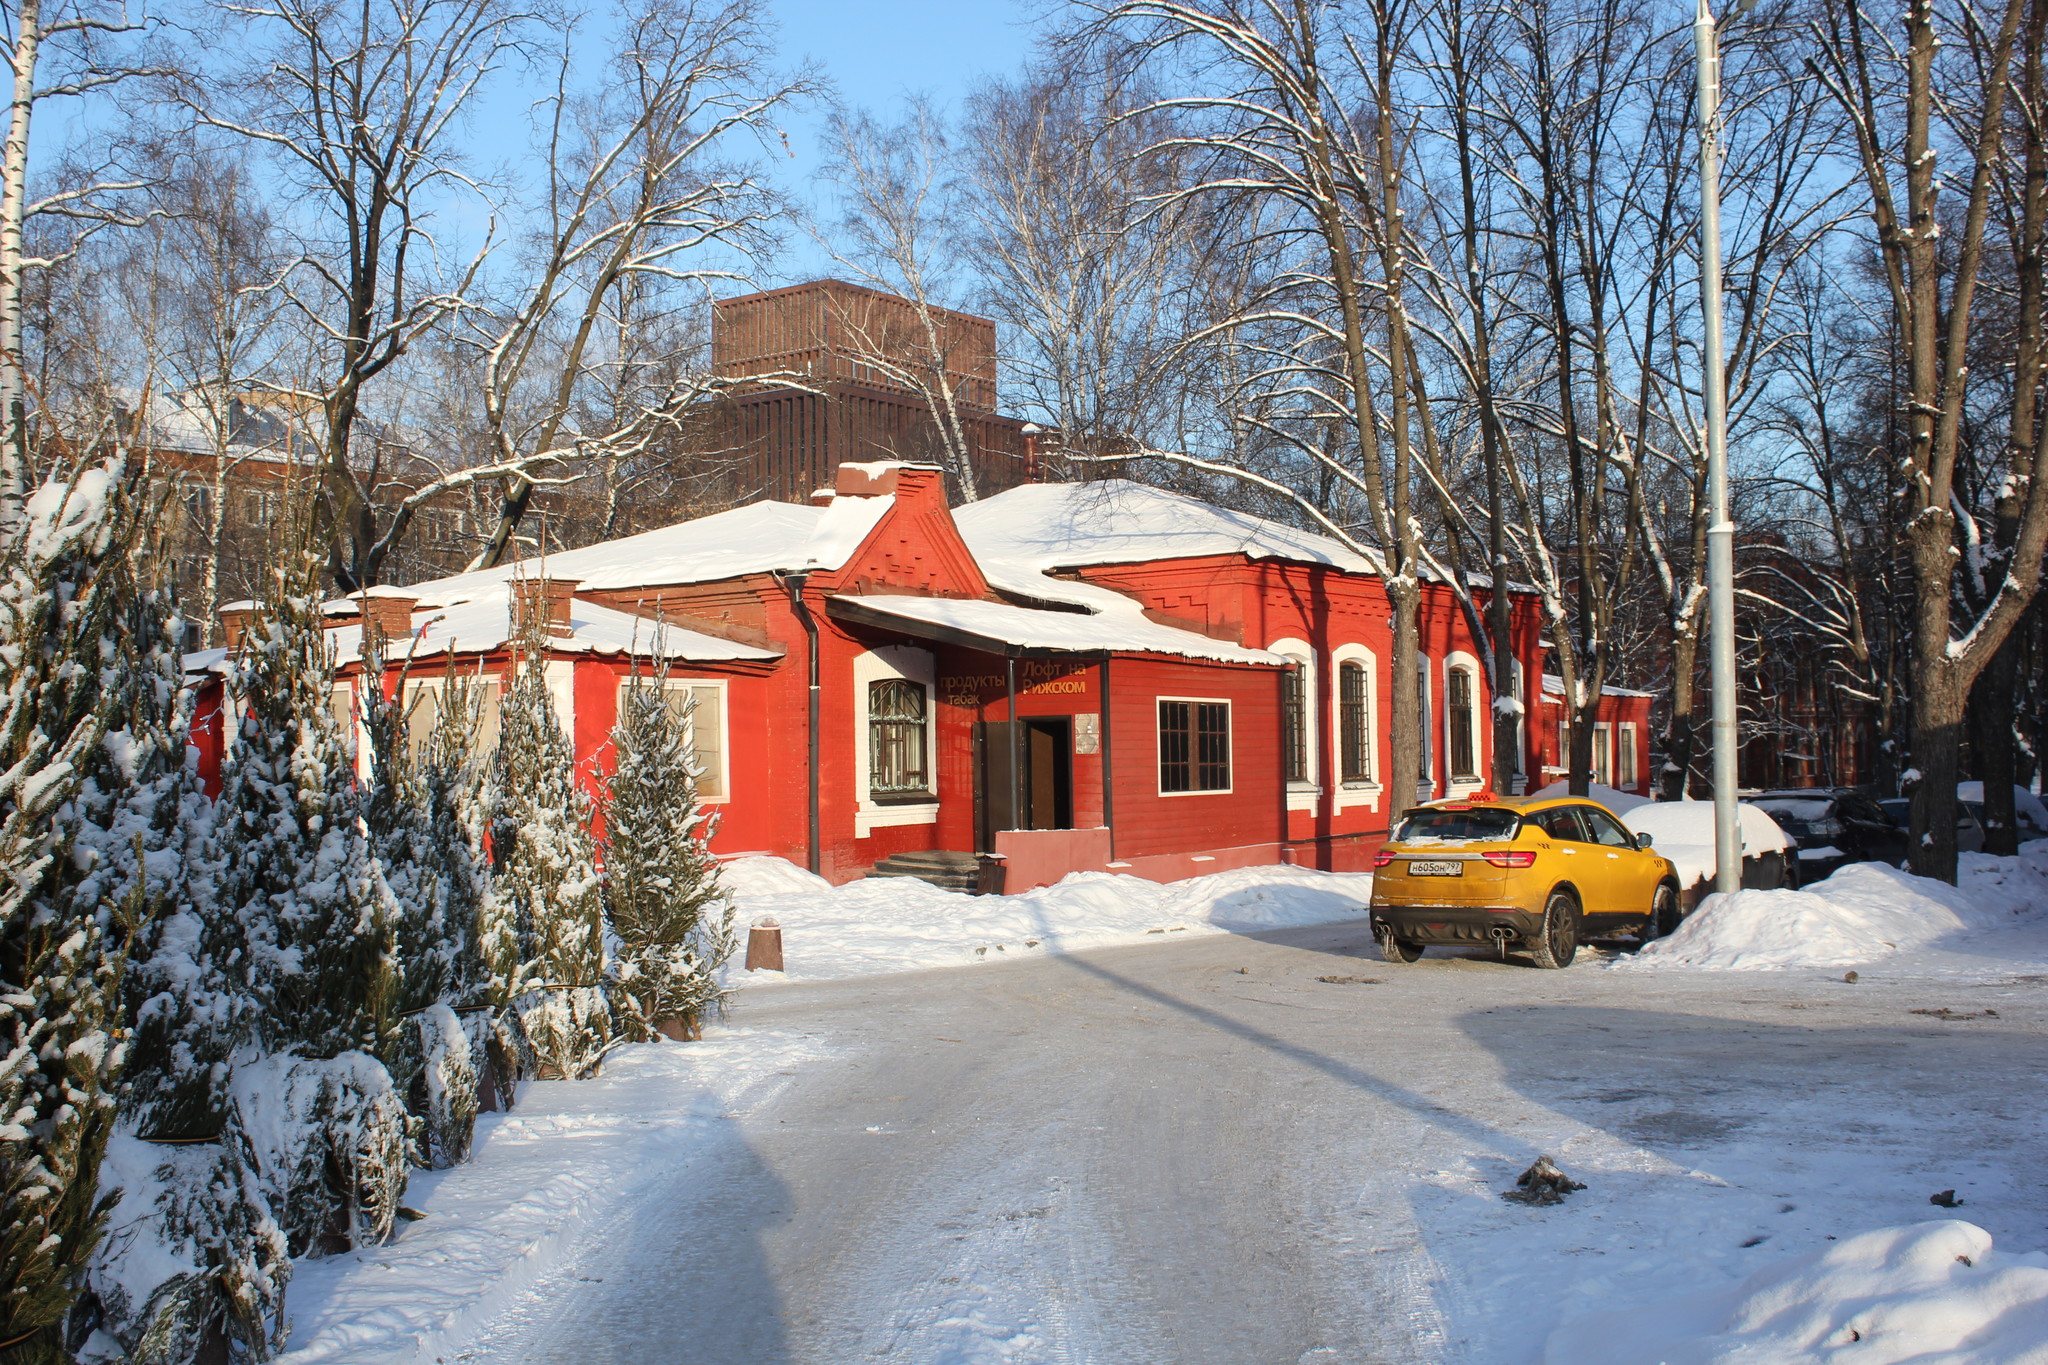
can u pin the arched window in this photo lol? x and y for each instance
(1354, 723)
(1294, 721)
(1464, 754)
(897, 770)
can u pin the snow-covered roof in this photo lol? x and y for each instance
(1553, 686)
(1114, 521)
(758, 538)
(482, 624)
(999, 623)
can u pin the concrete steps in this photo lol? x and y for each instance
(940, 867)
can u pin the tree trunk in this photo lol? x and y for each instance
(1994, 748)
(13, 208)
(1675, 782)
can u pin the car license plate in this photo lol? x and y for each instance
(1443, 869)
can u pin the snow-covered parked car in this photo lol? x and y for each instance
(1833, 826)
(1683, 831)
(2033, 815)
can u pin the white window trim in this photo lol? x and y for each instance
(560, 675)
(1426, 789)
(1521, 729)
(1603, 746)
(673, 683)
(1366, 793)
(1625, 743)
(1230, 755)
(878, 665)
(356, 726)
(1304, 795)
(1481, 708)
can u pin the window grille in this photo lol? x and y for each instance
(1354, 725)
(1458, 699)
(897, 765)
(1294, 721)
(1194, 746)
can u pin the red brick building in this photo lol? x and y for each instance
(1093, 676)
(856, 367)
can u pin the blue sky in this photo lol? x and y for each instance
(878, 51)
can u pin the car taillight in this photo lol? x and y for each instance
(1512, 857)
(1382, 859)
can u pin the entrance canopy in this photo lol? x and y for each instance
(1026, 632)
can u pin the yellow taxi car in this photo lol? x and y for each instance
(1537, 873)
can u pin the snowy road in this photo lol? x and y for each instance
(1204, 1152)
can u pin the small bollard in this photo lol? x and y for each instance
(764, 947)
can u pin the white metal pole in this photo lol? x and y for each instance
(1721, 526)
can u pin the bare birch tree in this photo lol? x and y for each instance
(69, 50)
(649, 193)
(358, 109)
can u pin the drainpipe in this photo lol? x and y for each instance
(1016, 748)
(793, 584)
(1108, 771)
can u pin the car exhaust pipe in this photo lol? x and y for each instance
(1501, 934)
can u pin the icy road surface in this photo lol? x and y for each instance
(1281, 1149)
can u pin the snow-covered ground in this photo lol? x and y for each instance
(894, 924)
(556, 1170)
(1314, 1137)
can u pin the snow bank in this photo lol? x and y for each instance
(1620, 802)
(1931, 1292)
(1683, 831)
(1863, 912)
(893, 924)
(570, 1158)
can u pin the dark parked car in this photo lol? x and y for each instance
(1834, 826)
(1969, 821)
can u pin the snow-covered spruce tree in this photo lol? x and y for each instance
(323, 1120)
(401, 834)
(547, 878)
(196, 1260)
(69, 674)
(672, 921)
(459, 782)
(419, 822)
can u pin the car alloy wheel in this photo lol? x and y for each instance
(1557, 943)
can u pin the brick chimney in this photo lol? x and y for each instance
(549, 597)
(234, 622)
(388, 613)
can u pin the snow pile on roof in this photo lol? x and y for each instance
(894, 924)
(1935, 1291)
(1127, 630)
(1683, 831)
(482, 623)
(757, 538)
(571, 1159)
(1620, 802)
(1864, 912)
(1114, 521)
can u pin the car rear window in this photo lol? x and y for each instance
(1479, 822)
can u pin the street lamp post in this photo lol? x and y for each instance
(1721, 523)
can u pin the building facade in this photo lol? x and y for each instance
(1066, 677)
